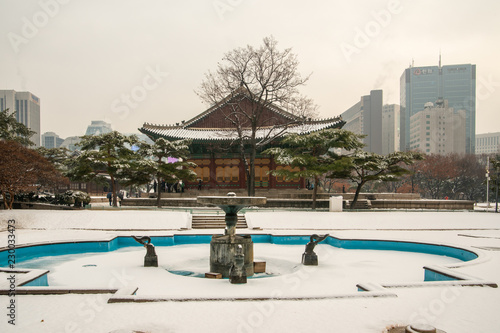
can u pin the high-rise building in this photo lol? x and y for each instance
(51, 140)
(26, 107)
(488, 143)
(390, 128)
(365, 117)
(438, 129)
(455, 83)
(97, 127)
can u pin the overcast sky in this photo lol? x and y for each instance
(128, 61)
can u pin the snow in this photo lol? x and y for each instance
(343, 268)
(452, 309)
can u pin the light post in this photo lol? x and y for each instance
(487, 182)
(496, 197)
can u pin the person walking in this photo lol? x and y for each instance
(120, 196)
(110, 197)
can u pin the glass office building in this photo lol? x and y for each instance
(454, 83)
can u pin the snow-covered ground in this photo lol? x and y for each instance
(452, 309)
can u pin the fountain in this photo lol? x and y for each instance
(223, 248)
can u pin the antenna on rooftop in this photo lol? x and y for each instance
(439, 58)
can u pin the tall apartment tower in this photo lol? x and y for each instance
(365, 117)
(390, 128)
(455, 83)
(438, 129)
(26, 107)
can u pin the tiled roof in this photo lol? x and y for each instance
(205, 134)
(237, 95)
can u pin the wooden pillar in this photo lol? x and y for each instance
(213, 174)
(272, 179)
(243, 174)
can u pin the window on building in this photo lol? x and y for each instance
(224, 174)
(202, 173)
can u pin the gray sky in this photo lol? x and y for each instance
(83, 58)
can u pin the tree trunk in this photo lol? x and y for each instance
(315, 191)
(5, 204)
(113, 190)
(356, 195)
(158, 193)
(8, 203)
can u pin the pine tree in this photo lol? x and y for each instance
(315, 154)
(366, 167)
(12, 130)
(102, 156)
(154, 164)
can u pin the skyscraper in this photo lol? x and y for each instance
(26, 107)
(390, 128)
(365, 117)
(97, 127)
(454, 83)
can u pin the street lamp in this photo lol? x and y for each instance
(487, 182)
(496, 198)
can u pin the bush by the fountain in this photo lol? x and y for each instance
(68, 198)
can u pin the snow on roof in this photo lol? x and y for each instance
(203, 134)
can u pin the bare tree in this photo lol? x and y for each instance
(259, 89)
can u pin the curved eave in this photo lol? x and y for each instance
(172, 133)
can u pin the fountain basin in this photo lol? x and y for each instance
(340, 269)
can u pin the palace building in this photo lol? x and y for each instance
(214, 147)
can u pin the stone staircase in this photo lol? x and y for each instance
(216, 222)
(360, 204)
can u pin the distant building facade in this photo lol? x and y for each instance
(51, 140)
(455, 83)
(365, 117)
(390, 128)
(438, 129)
(70, 143)
(97, 127)
(26, 107)
(488, 143)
